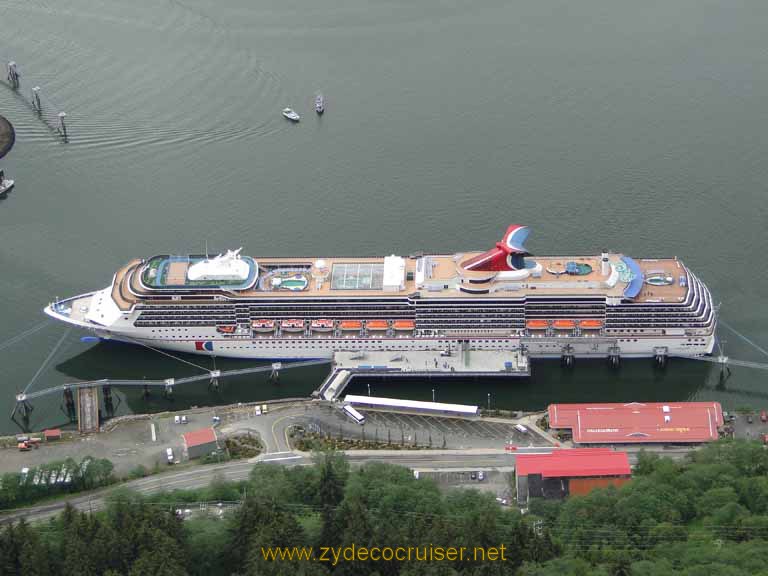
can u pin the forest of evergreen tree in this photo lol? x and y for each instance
(707, 515)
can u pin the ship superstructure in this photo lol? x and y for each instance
(237, 306)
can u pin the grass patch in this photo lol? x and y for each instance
(310, 441)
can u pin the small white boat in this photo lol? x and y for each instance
(291, 115)
(5, 185)
(319, 103)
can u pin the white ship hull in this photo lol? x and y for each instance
(293, 347)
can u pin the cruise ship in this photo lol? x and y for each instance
(233, 305)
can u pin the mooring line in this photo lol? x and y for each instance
(747, 340)
(28, 332)
(48, 359)
(166, 354)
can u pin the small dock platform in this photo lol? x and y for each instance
(88, 410)
(421, 363)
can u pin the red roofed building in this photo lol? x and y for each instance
(565, 472)
(638, 422)
(200, 442)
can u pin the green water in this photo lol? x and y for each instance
(633, 126)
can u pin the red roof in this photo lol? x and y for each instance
(639, 422)
(577, 463)
(198, 437)
(52, 433)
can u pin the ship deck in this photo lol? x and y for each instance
(127, 288)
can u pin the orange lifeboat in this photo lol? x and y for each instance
(351, 325)
(537, 324)
(322, 325)
(377, 325)
(263, 325)
(404, 325)
(292, 325)
(591, 324)
(564, 324)
(226, 329)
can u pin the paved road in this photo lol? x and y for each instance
(201, 476)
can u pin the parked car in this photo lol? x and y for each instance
(749, 419)
(169, 455)
(177, 419)
(184, 419)
(473, 475)
(763, 416)
(480, 476)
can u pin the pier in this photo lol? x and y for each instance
(49, 113)
(87, 410)
(88, 416)
(347, 365)
(422, 363)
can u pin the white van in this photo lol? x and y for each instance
(169, 455)
(521, 428)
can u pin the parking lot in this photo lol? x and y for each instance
(744, 429)
(129, 445)
(497, 482)
(435, 431)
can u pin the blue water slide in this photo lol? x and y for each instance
(636, 284)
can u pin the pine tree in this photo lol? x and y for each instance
(9, 552)
(333, 475)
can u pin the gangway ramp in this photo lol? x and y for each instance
(333, 385)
